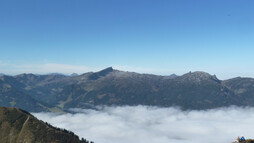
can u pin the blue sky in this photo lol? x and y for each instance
(147, 36)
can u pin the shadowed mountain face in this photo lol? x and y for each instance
(243, 87)
(10, 95)
(194, 90)
(18, 126)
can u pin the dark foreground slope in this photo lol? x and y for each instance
(248, 141)
(18, 126)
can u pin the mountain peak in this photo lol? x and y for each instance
(74, 74)
(108, 69)
(101, 73)
(173, 75)
(198, 76)
(25, 75)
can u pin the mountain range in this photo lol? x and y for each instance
(58, 92)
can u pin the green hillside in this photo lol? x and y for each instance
(18, 126)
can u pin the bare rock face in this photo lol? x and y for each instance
(198, 76)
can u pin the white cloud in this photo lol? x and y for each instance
(3, 63)
(143, 124)
(46, 68)
(53, 67)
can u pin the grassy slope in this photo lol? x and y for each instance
(18, 126)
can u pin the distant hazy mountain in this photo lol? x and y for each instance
(18, 126)
(74, 74)
(242, 87)
(193, 90)
(10, 96)
(1, 74)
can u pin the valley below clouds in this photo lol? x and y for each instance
(149, 124)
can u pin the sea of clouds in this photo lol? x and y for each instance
(145, 124)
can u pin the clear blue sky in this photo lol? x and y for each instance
(149, 36)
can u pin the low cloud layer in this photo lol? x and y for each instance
(13, 69)
(143, 124)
